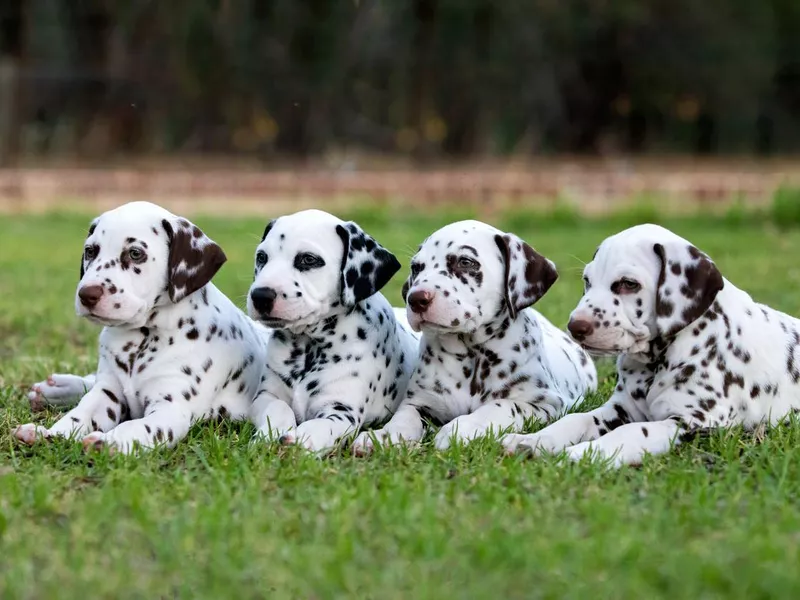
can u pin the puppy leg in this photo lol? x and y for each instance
(272, 416)
(573, 428)
(404, 426)
(163, 423)
(99, 410)
(628, 444)
(59, 390)
(494, 416)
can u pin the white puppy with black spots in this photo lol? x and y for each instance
(340, 357)
(694, 352)
(173, 349)
(487, 360)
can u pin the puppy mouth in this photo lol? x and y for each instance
(614, 348)
(419, 323)
(273, 322)
(104, 321)
(596, 351)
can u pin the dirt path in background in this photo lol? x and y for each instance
(593, 187)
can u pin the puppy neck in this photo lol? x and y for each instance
(168, 315)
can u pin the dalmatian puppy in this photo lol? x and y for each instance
(173, 349)
(340, 357)
(487, 360)
(694, 352)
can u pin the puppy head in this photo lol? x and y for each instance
(469, 274)
(311, 263)
(139, 256)
(644, 282)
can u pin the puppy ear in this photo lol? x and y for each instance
(528, 274)
(193, 260)
(687, 286)
(92, 227)
(269, 226)
(405, 288)
(366, 265)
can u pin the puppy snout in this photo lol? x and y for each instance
(263, 299)
(419, 301)
(90, 295)
(580, 329)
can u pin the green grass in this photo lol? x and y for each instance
(215, 518)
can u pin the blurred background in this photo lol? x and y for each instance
(428, 99)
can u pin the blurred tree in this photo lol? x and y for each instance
(427, 78)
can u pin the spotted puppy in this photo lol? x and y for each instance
(487, 361)
(694, 351)
(173, 348)
(340, 357)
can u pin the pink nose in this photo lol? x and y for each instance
(419, 301)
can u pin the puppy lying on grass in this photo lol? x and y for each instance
(173, 349)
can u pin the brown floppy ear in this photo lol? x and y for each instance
(688, 284)
(193, 260)
(528, 274)
(92, 227)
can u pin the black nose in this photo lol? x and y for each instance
(580, 328)
(263, 299)
(90, 295)
(419, 301)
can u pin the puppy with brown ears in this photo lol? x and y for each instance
(173, 349)
(694, 352)
(487, 360)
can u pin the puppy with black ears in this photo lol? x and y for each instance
(173, 349)
(340, 356)
(487, 360)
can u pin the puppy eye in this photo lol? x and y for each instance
(467, 263)
(626, 286)
(90, 252)
(261, 258)
(416, 268)
(586, 283)
(136, 255)
(305, 261)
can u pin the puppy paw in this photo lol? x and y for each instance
(459, 430)
(365, 443)
(30, 433)
(56, 390)
(94, 442)
(516, 443)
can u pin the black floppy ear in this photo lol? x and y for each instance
(269, 226)
(528, 274)
(405, 288)
(92, 227)
(366, 265)
(688, 284)
(193, 260)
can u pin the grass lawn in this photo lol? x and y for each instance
(215, 518)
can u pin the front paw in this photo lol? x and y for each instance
(315, 436)
(96, 442)
(31, 433)
(364, 444)
(519, 443)
(459, 430)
